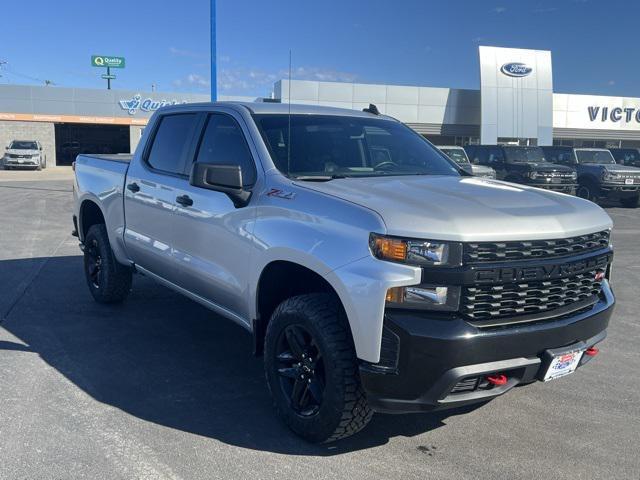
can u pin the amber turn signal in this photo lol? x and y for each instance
(390, 248)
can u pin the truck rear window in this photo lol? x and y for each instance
(349, 146)
(169, 142)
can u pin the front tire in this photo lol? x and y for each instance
(630, 202)
(108, 280)
(587, 190)
(312, 370)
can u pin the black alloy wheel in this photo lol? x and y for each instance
(301, 370)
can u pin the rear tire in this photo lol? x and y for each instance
(108, 280)
(312, 370)
(630, 202)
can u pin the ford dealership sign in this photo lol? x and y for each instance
(516, 69)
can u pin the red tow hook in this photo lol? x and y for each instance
(592, 351)
(497, 380)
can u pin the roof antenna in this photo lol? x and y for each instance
(289, 120)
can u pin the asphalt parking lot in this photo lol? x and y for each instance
(162, 388)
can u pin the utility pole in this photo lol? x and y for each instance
(214, 76)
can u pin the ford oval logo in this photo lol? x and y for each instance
(516, 69)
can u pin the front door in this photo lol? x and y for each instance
(212, 238)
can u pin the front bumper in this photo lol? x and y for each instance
(428, 359)
(619, 189)
(569, 188)
(21, 162)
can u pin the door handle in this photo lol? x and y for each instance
(133, 187)
(184, 200)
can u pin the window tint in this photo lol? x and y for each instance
(348, 146)
(495, 155)
(169, 143)
(563, 157)
(223, 143)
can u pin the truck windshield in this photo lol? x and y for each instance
(334, 146)
(602, 157)
(524, 154)
(23, 145)
(458, 155)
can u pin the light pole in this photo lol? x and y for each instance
(214, 76)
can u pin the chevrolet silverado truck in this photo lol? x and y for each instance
(24, 154)
(599, 176)
(372, 272)
(458, 155)
(525, 165)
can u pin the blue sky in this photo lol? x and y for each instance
(412, 42)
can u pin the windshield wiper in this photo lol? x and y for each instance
(318, 178)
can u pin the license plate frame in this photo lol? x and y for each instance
(561, 363)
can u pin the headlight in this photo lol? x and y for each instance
(534, 175)
(424, 297)
(574, 175)
(414, 251)
(611, 176)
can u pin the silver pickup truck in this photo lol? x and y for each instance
(373, 273)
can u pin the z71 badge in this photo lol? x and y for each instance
(276, 192)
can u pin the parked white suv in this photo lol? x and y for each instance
(24, 154)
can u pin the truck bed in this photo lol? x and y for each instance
(112, 157)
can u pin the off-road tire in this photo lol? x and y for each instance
(587, 190)
(343, 410)
(111, 283)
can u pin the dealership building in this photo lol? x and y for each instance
(514, 104)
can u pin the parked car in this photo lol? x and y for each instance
(525, 165)
(626, 156)
(24, 154)
(598, 174)
(369, 282)
(458, 155)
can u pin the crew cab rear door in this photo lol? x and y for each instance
(152, 185)
(212, 238)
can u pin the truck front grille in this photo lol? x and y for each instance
(536, 249)
(489, 302)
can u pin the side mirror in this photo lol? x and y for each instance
(221, 178)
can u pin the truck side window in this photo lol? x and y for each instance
(223, 143)
(482, 156)
(167, 150)
(495, 156)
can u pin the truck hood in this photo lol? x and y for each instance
(620, 168)
(482, 170)
(467, 209)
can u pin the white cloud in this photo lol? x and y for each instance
(611, 83)
(499, 10)
(191, 81)
(240, 80)
(545, 10)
